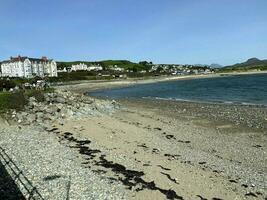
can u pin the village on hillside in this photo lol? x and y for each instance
(27, 67)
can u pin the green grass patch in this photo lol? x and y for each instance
(10, 100)
(17, 100)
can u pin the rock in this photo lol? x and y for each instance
(39, 115)
(31, 118)
(32, 99)
(21, 116)
(63, 105)
(59, 107)
(88, 101)
(50, 110)
(60, 100)
(32, 104)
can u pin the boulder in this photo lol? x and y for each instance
(32, 99)
(39, 115)
(60, 100)
(31, 118)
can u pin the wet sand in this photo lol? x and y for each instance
(158, 151)
(177, 150)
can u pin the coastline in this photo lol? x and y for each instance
(87, 86)
(83, 87)
(226, 137)
(140, 149)
(184, 147)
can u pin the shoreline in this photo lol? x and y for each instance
(141, 150)
(241, 116)
(171, 143)
(83, 87)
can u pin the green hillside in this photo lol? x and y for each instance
(106, 63)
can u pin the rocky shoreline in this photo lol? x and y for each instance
(59, 106)
(87, 148)
(240, 116)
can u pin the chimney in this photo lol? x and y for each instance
(44, 58)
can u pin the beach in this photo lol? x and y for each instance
(195, 149)
(189, 155)
(141, 148)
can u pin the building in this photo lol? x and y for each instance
(95, 68)
(116, 68)
(62, 70)
(79, 67)
(84, 67)
(26, 67)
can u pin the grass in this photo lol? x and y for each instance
(4, 100)
(10, 100)
(17, 100)
(106, 63)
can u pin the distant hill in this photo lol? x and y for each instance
(251, 64)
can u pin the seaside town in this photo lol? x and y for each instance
(59, 140)
(24, 67)
(133, 100)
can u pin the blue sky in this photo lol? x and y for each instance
(162, 31)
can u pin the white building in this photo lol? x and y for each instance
(95, 68)
(62, 70)
(116, 68)
(84, 67)
(26, 67)
(79, 67)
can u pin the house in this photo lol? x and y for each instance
(79, 67)
(26, 67)
(116, 68)
(95, 68)
(62, 70)
(84, 67)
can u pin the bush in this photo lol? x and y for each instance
(7, 84)
(10, 100)
(37, 94)
(17, 100)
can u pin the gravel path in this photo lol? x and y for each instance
(52, 168)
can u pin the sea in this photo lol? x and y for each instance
(237, 89)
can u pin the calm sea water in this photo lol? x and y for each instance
(243, 89)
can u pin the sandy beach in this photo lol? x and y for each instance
(185, 150)
(185, 154)
(133, 100)
(138, 149)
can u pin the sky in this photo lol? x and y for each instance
(161, 31)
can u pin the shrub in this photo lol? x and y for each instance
(10, 100)
(17, 100)
(37, 94)
(7, 84)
